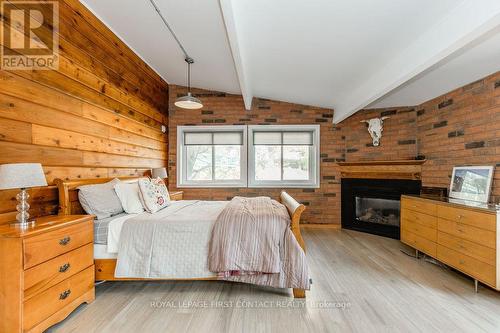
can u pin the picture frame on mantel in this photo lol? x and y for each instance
(471, 183)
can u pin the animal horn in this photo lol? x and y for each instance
(385, 117)
(364, 121)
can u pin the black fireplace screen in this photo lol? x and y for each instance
(373, 205)
(381, 211)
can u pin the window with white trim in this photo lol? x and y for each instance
(278, 156)
(212, 156)
(283, 155)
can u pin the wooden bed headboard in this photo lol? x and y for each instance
(68, 193)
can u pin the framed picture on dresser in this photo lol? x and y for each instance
(471, 183)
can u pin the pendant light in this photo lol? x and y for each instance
(188, 101)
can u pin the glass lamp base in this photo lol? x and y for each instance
(22, 207)
(23, 225)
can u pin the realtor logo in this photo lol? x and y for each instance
(30, 35)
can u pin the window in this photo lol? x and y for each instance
(211, 156)
(278, 156)
(283, 156)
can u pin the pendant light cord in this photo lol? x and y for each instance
(189, 75)
(186, 55)
(187, 58)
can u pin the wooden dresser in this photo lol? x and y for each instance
(46, 271)
(456, 232)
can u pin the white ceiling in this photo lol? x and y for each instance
(472, 63)
(339, 54)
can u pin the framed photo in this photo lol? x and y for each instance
(471, 183)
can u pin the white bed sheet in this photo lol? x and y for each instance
(187, 235)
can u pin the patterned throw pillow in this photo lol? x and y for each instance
(154, 194)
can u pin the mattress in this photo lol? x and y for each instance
(101, 252)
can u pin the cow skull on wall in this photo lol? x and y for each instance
(375, 128)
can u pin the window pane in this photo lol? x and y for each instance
(199, 162)
(227, 162)
(268, 162)
(197, 138)
(297, 138)
(267, 138)
(295, 162)
(228, 138)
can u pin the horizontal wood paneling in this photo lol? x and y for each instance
(99, 115)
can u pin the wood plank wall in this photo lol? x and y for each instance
(98, 115)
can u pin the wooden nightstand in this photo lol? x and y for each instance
(177, 195)
(46, 271)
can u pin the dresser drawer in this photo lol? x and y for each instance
(419, 243)
(467, 232)
(420, 218)
(473, 267)
(40, 248)
(474, 250)
(417, 205)
(49, 273)
(469, 217)
(43, 305)
(420, 230)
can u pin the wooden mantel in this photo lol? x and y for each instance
(397, 169)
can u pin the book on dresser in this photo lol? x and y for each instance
(461, 234)
(46, 271)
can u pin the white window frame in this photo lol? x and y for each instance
(182, 163)
(314, 157)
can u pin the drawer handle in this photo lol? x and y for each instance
(460, 216)
(64, 267)
(64, 241)
(65, 294)
(461, 262)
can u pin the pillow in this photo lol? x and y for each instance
(128, 193)
(100, 199)
(154, 194)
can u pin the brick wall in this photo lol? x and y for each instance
(461, 127)
(225, 109)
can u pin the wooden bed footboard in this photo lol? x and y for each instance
(105, 268)
(295, 210)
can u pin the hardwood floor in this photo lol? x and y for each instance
(361, 283)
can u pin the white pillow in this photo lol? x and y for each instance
(128, 193)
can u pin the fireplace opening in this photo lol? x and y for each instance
(381, 211)
(373, 205)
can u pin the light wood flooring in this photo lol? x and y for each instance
(361, 283)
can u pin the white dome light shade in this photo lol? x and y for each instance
(188, 102)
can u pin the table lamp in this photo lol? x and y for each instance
(22, 176)
(159, 173)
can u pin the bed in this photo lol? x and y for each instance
(107, 233)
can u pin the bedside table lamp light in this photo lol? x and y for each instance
(22, 176)
(159, 173)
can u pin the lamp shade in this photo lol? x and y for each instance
(21, 175)
(159, 173)
(188, 102)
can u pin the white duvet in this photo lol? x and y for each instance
(185, 235)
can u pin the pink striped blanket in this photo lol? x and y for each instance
(252, 242)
